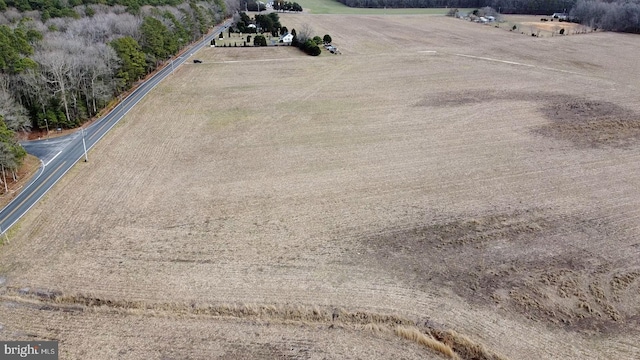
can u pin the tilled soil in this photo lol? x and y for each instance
(442, 188)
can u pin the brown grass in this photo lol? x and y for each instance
(532, 24)
(467, 348)
(28, 169)
(417, 336)
(285, 314)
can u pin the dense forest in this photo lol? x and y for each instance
(61, 62)
(617, 15)
(503, 6)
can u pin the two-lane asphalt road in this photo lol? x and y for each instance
(60, 154)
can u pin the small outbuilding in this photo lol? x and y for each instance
(560, 16)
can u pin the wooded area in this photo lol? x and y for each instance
(543, 7)
(618, 15)
(62, 62)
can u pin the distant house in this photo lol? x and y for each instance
(286, 38)
(560, 16)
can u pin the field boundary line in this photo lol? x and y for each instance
(518, 64)
(249, 61)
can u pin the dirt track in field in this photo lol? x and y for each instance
(441, 183)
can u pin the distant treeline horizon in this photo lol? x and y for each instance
(610, 15)
(534, 7)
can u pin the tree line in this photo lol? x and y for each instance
(612, 15)
(618, 15)
(65, 70)
(62, 71)
(545, 7)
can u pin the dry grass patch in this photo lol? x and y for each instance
(529, 24)
(413, 334)
(592, 122)
(28, 169)
(381, 324)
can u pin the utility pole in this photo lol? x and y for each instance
(47, 123)
(84, 145)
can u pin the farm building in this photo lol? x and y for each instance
(560, 16)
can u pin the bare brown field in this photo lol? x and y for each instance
(442, 189)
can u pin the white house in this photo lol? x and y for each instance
(560, 16)
(286, 38)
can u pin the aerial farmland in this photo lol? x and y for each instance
(441, 189)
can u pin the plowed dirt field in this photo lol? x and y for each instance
(441, 189)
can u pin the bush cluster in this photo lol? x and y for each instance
(310, 47)
(308, 44)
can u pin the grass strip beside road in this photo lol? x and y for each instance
(36, 190)
(28, 169)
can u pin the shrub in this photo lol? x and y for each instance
(259, 40)
(317, 40)
(327, 39)
(311, 48)
(561, 31)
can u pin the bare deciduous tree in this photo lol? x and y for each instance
(56, 66)
(305, 33)
(14, 114)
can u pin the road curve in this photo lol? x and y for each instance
(60, 154)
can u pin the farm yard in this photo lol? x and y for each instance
(441, 187)
(237, 40)
(532, 24)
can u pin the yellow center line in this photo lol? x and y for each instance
(34, 191)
